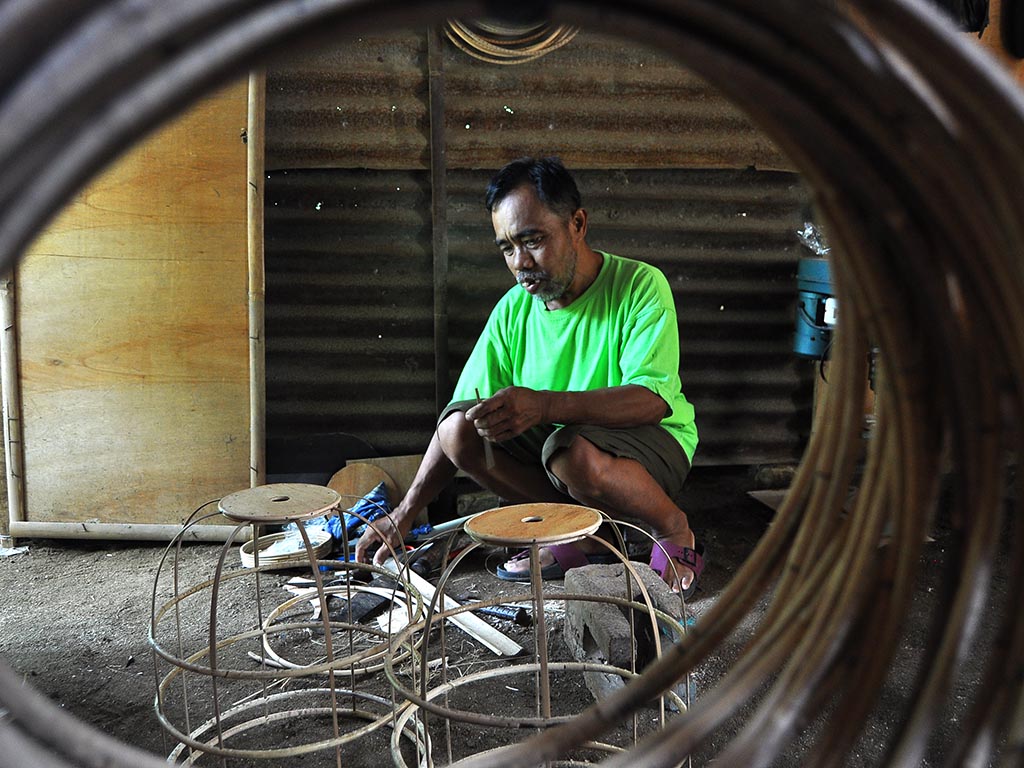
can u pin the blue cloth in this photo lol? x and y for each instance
(373, 505)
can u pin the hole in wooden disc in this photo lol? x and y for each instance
(280, 498)
(532, 519)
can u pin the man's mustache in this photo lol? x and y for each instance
(523, 275)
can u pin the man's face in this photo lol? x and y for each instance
(539, 246)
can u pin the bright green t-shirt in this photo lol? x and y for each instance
(622, 330)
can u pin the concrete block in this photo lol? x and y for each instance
(599, 632)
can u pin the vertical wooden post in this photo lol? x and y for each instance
(439, 214)
(255, 145)
(9, 381)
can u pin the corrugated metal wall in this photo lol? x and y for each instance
(361, 105)
(724, 240)
(667, 170)
(349, 306)
(599, 102)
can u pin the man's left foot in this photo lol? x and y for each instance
(555, 560)
(679, 562)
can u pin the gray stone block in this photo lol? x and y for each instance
(599, 631)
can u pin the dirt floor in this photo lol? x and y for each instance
(76, 617)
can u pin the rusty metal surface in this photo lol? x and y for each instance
(349, 316)
(723, 238)
(360, 104)
(349, 302)
(599, 102)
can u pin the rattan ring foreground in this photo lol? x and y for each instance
(910, 138)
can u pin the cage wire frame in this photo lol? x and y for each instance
(909, 137)
(429, 698)
(210, 736)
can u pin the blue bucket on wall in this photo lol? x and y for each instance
(814, 288)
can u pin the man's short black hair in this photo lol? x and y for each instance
(554, 185)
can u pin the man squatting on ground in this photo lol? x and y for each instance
(578, 366)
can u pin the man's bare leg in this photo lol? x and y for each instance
(510, 479)
(623, 489)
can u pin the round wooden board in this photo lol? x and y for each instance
(278, 503)
(543, 523)
(354, 481)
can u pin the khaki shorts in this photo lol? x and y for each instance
(651, 445)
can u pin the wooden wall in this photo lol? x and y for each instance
(133, 333)
(992, 40)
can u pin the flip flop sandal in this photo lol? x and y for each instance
(694, 559)
(567, 557)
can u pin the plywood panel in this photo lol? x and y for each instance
(992, 40)
(133, 332)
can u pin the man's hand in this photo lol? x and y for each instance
(508, 413)
(389, 529)
(435, 471)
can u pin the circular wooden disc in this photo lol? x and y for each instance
(278, 503)
(544, 523)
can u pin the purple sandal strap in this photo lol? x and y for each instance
(664, 550)
(568, 556)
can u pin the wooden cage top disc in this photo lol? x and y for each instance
(544, 523)
(278, 503)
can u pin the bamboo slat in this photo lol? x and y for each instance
(14, 456)
(255, 144)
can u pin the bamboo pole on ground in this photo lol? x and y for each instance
(117, 531)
